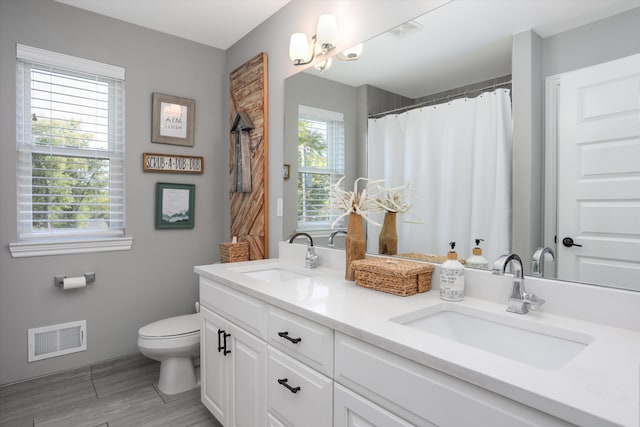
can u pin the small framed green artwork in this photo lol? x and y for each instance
(175, 205)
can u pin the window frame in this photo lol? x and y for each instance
(335, 172)
(68, 240)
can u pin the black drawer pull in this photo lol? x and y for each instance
(283, 382)
(286, 336)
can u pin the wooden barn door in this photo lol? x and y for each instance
(249, 210)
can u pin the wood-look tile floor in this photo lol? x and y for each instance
(117, 393)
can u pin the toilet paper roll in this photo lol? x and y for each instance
(74, 282)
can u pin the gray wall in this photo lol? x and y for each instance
(528, 128)
(605, 40)
(155, 278)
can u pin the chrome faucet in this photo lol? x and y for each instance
(537, 261)
(311, 260)
(333, 235)
(520, 300)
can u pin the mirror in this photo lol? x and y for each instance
(462, 50)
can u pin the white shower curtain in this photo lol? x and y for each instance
(457, 158)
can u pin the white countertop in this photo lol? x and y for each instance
(600, 386)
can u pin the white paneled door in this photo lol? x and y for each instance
(599, 174)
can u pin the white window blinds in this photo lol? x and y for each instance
(320, 165)
(70, 141)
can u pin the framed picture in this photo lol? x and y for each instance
(286, 169)
(173, 120)
(172, 163)
(175, 205)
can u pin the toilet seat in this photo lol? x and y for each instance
(178, 326)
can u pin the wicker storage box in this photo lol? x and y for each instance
(438, 259)
(396, 276)
(234, 252)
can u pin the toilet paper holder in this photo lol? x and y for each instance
(59, 280)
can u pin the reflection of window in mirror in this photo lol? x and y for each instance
(320, 165)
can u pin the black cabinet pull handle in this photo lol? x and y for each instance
(220, 346)
(286, 336)
(224, 349)
(568, 242)
(283, 382)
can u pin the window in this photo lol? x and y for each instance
(320, 165)
(70, 141)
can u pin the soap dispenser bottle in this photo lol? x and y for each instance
(452, 277)
(476, 260)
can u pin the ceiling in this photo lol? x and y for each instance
(216, 23)
(463, 34)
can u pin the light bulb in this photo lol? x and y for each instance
(299, 47)
(327, 32)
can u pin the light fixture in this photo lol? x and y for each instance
(323, 65)
(351, 54)
(325, 40)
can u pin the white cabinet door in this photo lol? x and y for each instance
(352, 410)
(247, 385)
(233, 371)
(213, 365)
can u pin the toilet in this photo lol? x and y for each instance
(174, 342)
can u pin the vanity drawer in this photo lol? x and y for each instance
(303, 339)
(243, 310)
(310, 405)
(351, 410)
(424, 396)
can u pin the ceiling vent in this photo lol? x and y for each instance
(56, 340)
(403, 30)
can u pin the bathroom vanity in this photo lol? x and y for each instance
(283, 345)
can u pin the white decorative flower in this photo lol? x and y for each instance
(354, 202)
(395, 199)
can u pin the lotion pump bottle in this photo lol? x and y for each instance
(477, 260)
(452, 277)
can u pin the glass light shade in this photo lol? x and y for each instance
(352, 53)
(327, 31)
(299, 47)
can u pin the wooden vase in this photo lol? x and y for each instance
(355, 243)
(388, 240)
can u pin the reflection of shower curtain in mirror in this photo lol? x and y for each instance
(457, 157)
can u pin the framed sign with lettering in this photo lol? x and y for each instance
(173, 120)
(173, 163)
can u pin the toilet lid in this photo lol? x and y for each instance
(178, 325)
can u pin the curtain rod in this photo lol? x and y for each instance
(444, 98)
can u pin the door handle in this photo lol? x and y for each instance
(222, 342)
(568, 242)
(286, 336)
(284, 383)
(220, 346)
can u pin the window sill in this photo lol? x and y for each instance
(33, 249)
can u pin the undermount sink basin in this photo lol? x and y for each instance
(274, 275)
(538, 345)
